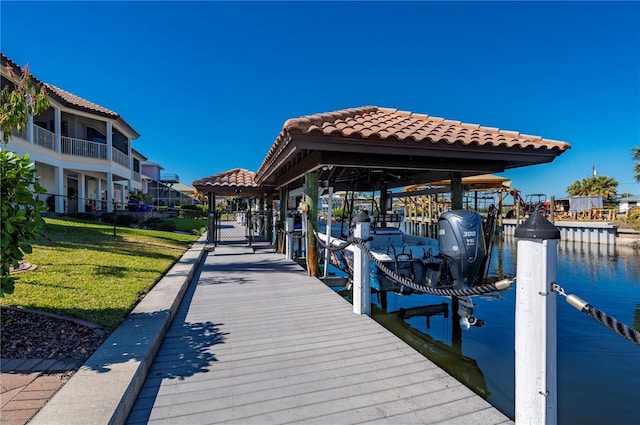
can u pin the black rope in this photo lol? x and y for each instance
(599, 316)
(294, 236)
(610, 322)
(476, 290)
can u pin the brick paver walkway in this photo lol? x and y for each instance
(27, 385)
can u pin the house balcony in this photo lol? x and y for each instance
(84, 148)
(169, 178)
(44, 138)
(76, 147)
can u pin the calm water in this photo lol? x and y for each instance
(598, 371)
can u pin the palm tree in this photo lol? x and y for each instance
(594, 186)
(636, 157)
(198, 196)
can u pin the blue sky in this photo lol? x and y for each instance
(208, 85)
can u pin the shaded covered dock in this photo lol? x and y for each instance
(376, 149)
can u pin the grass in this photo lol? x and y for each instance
(84, 271)
(190, 225)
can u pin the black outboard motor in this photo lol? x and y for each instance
(461, 241)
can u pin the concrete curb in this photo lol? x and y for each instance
(105, 388)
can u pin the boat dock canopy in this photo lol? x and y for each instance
(236, 182)
(370, 147)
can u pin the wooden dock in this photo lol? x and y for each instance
(256, 341)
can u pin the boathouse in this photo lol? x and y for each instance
(372, 148)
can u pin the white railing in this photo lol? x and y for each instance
(136, 176)
(79, 147)
(44, 138)
(119, 157)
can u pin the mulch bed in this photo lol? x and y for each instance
(33, 335)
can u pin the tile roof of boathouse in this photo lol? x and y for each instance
(391, 133)
(229, 182)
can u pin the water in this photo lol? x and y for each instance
(598, 371)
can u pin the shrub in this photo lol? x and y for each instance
(126, 220)
(155, 223)
(633, 217)
(21, 213)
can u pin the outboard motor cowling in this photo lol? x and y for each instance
(461, 240)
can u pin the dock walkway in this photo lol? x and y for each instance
(256, 341)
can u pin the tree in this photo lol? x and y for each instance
(138, 195)
(635, 154)
(20, 218)
(594, 186)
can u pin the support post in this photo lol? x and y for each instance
(288, 229)
(57, 128)
(457, 191)
(536, 328)
(328, 230)
(384, 196)
(211, 235)
(282, 218)
(82, 193)
(361, 285)
(60, 195)
(311, 199)
(268, 215)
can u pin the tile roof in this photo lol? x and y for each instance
(395, 126)
(237, 177)
(73, 100)
(70, 99)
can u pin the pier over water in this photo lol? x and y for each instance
(257, 341)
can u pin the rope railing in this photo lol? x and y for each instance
(292, 233)
(476, 290)
(598, 315)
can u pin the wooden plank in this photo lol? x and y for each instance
(258, 341)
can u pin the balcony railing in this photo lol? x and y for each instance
(44, 138)
(169, 178)
(119, 157)
(136, 176)
(79, 147)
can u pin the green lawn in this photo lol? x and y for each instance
(86, 272)
(190, 224)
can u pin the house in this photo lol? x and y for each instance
(82, 152)
(628, 203)
(166, 189)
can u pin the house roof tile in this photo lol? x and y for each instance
(69, 99)
(73, 100)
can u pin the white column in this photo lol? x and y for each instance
(536, 329)
(99, 204)
(82, 193)
(130, 159)
(30, 130)
(61, 200)
(58, 131)
(361, 285)
(122, 195)
(109, 142)
(288, 228)
(110, 192)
